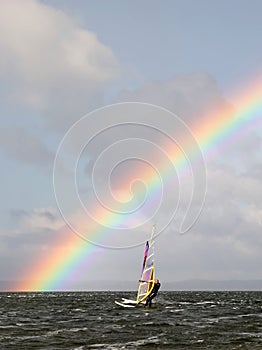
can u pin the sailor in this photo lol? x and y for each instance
(153, 293)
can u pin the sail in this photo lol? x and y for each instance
(148, 270)
(145, 257)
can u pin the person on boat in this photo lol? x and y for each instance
(153, 293)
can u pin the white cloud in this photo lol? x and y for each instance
(254, 214)
(49, 62)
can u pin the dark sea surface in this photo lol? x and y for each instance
(91, 320)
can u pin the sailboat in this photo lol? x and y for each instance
(147, 277)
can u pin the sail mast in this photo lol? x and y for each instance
(148, 270)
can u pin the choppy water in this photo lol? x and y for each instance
(91, 320)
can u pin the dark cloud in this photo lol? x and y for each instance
(44, 213)
(18, 214)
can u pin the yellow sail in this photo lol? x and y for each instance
(148, 270)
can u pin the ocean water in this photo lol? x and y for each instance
(91, 320)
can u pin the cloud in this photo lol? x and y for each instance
(38, 219)
(188, 95)
(21, 145)
(34, 232)
(226, 241)
(230, 192)
(50, 63)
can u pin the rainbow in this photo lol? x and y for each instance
(68, 254)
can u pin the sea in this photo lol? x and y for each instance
(92, 320)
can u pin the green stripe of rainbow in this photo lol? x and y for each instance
(69, 254)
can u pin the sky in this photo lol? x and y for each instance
(116, 115)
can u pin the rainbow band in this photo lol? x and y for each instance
(217, 129)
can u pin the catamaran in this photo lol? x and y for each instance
(146, 281)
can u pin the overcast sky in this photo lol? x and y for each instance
(60, 63)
